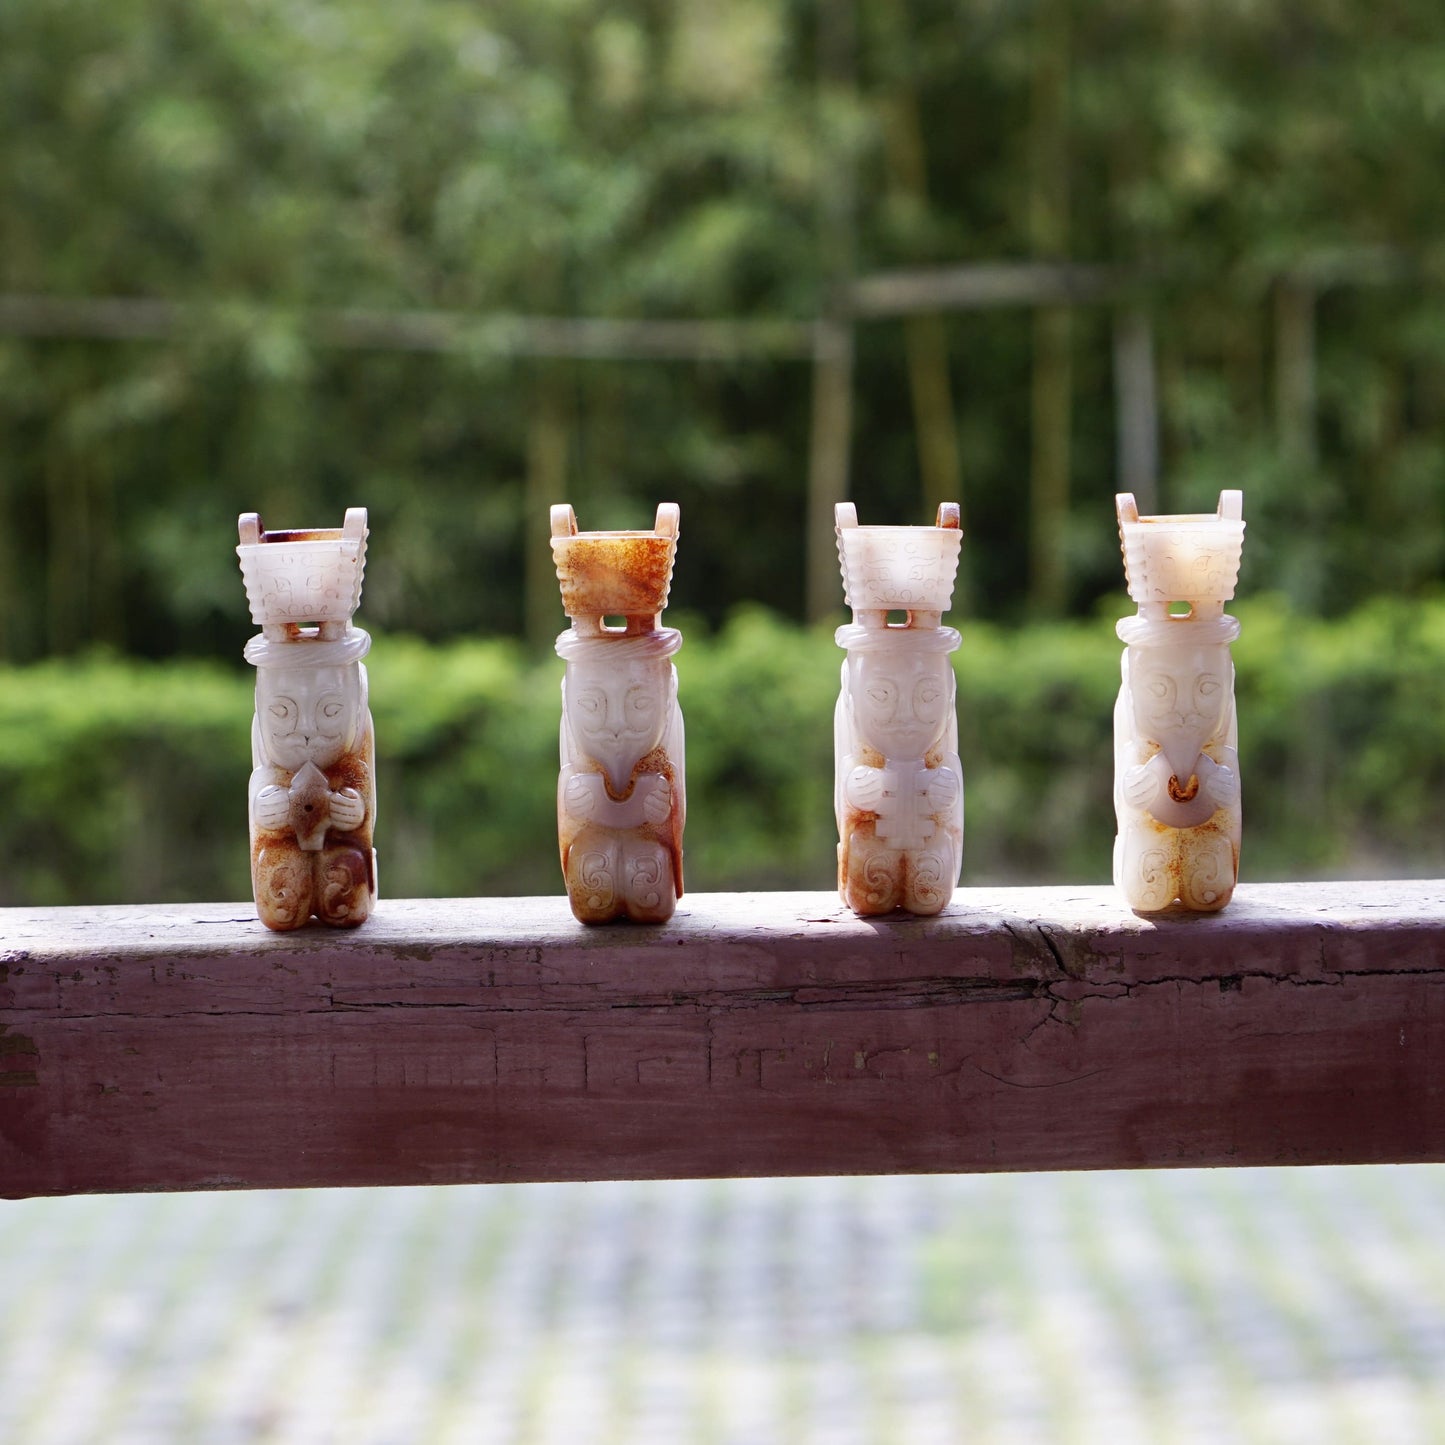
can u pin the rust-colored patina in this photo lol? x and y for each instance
(1183, 792)
(631, 571)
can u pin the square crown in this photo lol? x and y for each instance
(614, 574)
(1192, 557)
(888, 569)
(304, 576)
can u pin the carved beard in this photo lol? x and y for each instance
(617, 760)
(1182, 749)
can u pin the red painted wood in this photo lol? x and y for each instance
(496, 1039)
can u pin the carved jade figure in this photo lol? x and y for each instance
(621, 792)
(313, 791)
(1176, 771)
(898, 784)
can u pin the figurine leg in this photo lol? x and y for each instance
(1208, 869)
(1144, 866)
(281, 881)
(343, 887)
(928, 880)
(592, 876)
(651, 896)
(872, 876)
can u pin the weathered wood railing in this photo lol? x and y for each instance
(184, 1047)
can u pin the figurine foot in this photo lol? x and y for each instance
(929, 883)
(344, 887)
(651, 897)
(872, 878)
(591, 874)
(281, 880)
(1208, 870)
(1146, 879)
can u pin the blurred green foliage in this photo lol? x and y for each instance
(126, 781)
(619, 158)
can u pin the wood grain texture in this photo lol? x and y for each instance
(449, 1041)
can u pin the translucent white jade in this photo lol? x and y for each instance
(1176, 769)
(621, 792)
(898, 784)
(313, 788)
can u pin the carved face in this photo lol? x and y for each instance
(308, 714)
(1179, 696)
(618, 712)
(901, 703)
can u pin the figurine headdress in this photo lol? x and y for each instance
(898, 569)
(614, 574)
(303, 587)
(1191, 558)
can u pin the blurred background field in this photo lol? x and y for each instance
(1277, 1307)
(457, 264)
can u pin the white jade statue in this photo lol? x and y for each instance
(898, 784)
(1176, 770)
(313, 790)
(621, 791)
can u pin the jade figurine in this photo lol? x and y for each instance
(621, 791)
(898, 783)
(1176, 762)
(312, 796)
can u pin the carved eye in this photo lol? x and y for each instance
(641, 709)
(282, 709)
(590, 704)
(331, 711)
(1159, 688)
(1208, 687)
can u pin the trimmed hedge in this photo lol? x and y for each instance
(126, 781)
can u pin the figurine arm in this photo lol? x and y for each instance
(579, 794)
(270, 799)
(656, 794)
(583, 797)
(1219, 781)
(348, 810)
(1144, 784)
(863, 787)
(945, 786)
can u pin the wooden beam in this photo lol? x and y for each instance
(982, 286)
(584, 338)
(1294, 371)
(184, 1047)
(830, 432)
(1136, 407)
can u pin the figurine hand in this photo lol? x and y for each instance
(864, 788)
(581, 795)
(1221, 787)
(272, 808)
(943, 790)
(657, 805)
(348, 809)
(1140, 786)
